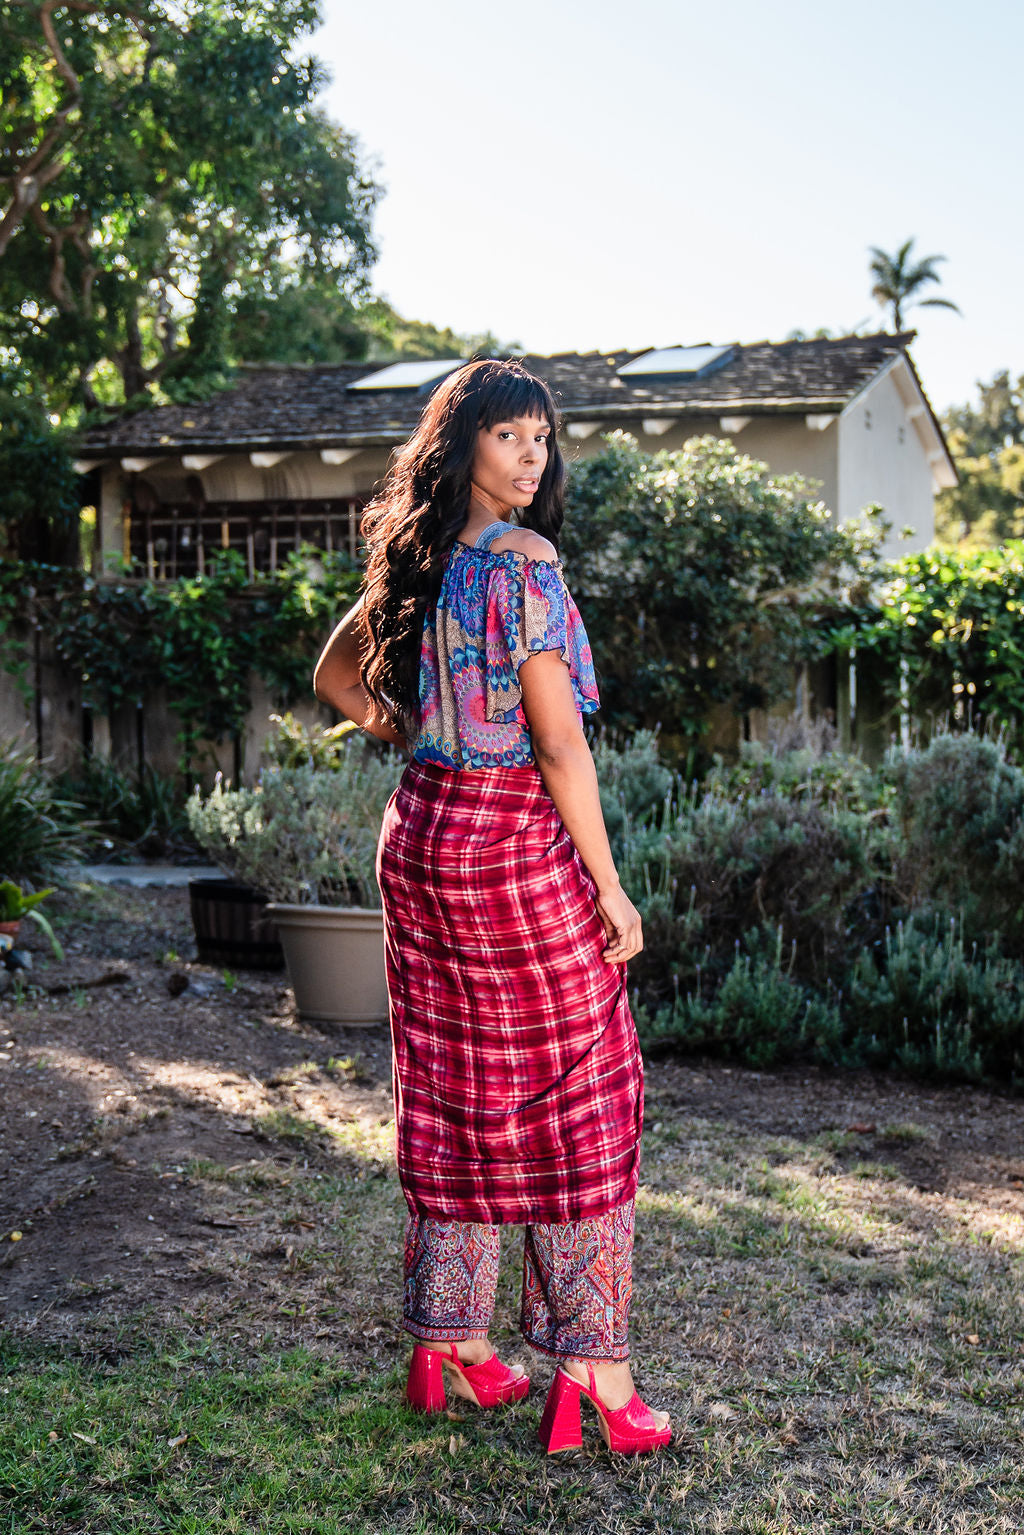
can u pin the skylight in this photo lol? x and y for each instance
(409, 375)
(676, 362)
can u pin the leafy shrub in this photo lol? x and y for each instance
(758, 1015)
(698, 574)
(127, 814)
(797, 905)
(302, 835)
(960, 804)
(633, 780)
(324, 746)
(713, 869)
(829, 777)
(953, 623)
(936, 1007)
(38, 829)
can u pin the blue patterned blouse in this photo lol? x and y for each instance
(493, 612)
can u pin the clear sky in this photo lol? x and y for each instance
(581, 173)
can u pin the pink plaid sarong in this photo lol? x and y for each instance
(517, 1073)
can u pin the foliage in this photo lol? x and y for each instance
(801, 905)
(932, 1006)
(16, 903)
(987, 441)
(294, 744)
(392, 336)
(128, 813)
(961, 808)
(198, 639)
(37, 824)
(898, 279)
(713, 870)
(632, 778)
(303, 834)
(163, 165)
(700, 576)
(758, 1014)
(807, 765)
(953, 623)
(39, 490)
(995, 422)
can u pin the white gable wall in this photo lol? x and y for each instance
(883, 458)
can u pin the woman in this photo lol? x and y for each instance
(517, 1074)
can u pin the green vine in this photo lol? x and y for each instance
(955, 624)
(198, 639)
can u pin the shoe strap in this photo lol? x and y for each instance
(591, 1385)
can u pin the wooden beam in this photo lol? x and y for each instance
(657, 426)
(731, 425)
(335, 456)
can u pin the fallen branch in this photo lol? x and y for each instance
(109, 978)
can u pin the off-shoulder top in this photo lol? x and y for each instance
(493, 612)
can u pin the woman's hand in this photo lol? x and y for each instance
(621, 925)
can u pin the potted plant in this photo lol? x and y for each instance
(306, 834)
(16, 903)
(232, 925)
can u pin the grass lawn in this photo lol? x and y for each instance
(836, 1330)
(839, 1352)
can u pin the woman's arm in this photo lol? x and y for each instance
(567, 768)
(336, 678)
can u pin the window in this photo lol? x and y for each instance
(168, 540)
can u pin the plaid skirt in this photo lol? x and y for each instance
(517, 1073)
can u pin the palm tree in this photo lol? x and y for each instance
(898, 279)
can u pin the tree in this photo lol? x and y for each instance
(987, 441)
(165, 167)
(39, 490)
(699, 576)
(898, 280)
(996, 422)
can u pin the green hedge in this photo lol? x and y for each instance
(802, 906)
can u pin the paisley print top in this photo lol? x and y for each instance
(493, 612)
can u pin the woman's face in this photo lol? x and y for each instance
(510, 458)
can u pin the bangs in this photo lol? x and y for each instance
(508, 392)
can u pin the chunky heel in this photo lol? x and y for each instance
(486, 1384)
(424, 1389)
(628, 1430)
(560, 1427)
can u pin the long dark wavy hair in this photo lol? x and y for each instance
(411, 525)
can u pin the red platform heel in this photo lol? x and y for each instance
(629, 1430)
(485, 1384)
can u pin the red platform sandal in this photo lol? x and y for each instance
(485, 1384)
(629, 1430)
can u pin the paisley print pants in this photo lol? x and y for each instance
(577, 1282)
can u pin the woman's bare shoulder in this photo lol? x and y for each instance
(524, 541)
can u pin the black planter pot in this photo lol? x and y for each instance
(232, 926)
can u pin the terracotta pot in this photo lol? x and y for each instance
(335, 959)
(10, 930)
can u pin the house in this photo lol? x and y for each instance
(290, 454)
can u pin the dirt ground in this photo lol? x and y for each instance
(126, 1064)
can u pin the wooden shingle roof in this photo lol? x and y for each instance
(295, 407)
